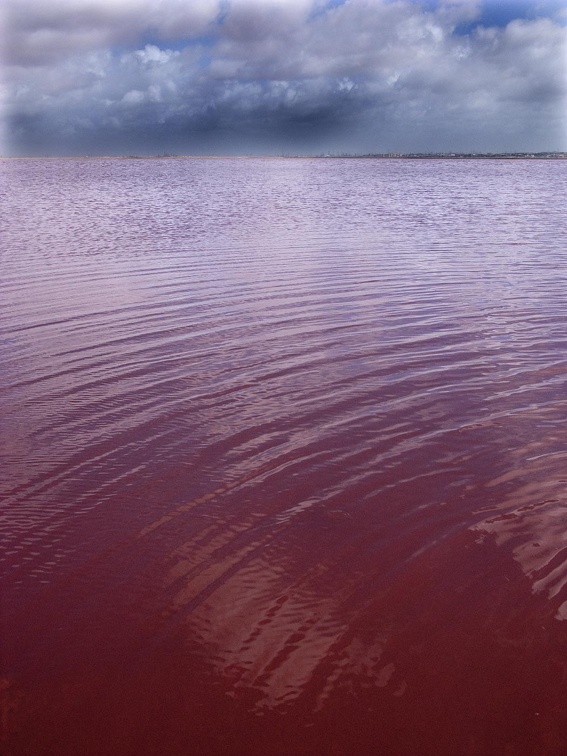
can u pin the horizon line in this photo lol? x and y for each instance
(326, 155)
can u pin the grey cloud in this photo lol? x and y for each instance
(246, 75)
(250, 21)
(41, 32)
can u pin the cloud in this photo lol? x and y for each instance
(247, 75)
(41, 32)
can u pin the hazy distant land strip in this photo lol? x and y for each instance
(376, 156)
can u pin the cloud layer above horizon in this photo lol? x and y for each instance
(291, 76)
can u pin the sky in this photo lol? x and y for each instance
(272, 77)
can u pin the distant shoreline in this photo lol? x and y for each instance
(370, 156)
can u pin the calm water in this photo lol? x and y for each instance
(284, 457)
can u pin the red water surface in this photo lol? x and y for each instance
(283, 457)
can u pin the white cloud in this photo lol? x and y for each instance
(152, 54)
(133, 97)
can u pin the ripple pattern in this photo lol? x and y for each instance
(284, 417)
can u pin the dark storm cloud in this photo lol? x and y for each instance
(264, 75)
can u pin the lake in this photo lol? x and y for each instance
(284, 457)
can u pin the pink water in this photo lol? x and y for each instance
(284, 457)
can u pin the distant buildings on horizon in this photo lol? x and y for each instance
(459, 155)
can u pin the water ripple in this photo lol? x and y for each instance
(270, 409)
